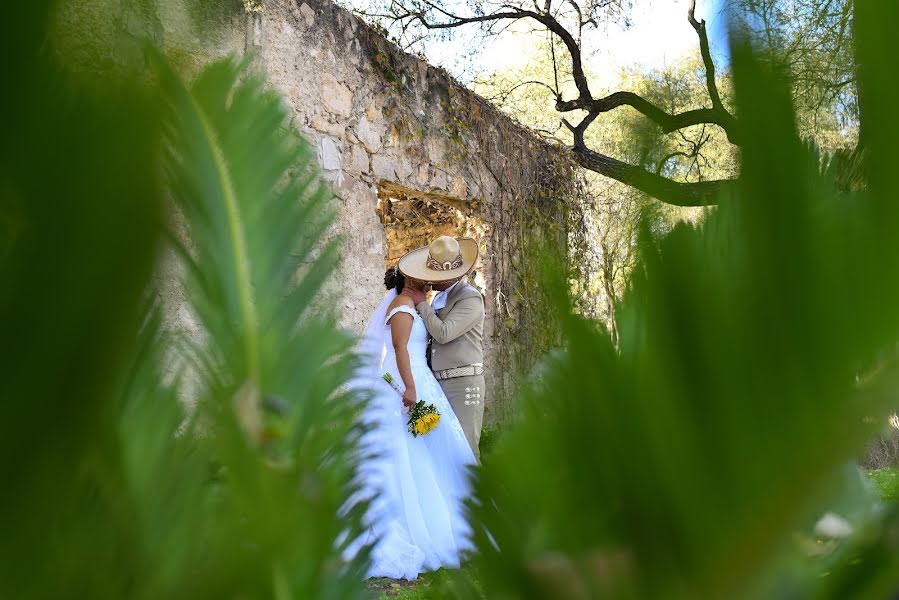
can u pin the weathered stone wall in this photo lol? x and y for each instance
(376, 116)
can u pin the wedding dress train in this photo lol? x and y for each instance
(416, 486)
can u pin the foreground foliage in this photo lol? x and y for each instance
(754, 351)
(138, 464)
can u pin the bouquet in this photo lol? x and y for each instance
(422, 417)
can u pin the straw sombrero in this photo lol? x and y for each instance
(444, 259)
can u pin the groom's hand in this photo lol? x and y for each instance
(417, 296)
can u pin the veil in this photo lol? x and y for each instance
(372, 345)
(370, 351)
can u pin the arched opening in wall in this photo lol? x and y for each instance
(412, 219)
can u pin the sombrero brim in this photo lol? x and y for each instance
(414, 264)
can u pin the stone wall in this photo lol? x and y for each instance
(377, 117)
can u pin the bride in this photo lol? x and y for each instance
(416, 486)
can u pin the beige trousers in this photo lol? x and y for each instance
(466, 396)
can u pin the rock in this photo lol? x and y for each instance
(383, 167)
(458, 187)
(376, 246)
(436, 151)
(368, 135)
(403, 169)
(354, 51)
(329, 158)
(423, 172)
(359, 161)
(337, 97)
(391, 167)
(308, 14)
(393, 136)
(373, 112)
(439, 180)
(320, 123)
(329, 154)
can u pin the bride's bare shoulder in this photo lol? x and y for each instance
(401, 300)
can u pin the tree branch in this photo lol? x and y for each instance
(699, 26)
(547, 20)
(702, 193)
(668, 157)
(667, 121)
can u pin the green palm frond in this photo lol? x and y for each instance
(256, 258)
(755, 352)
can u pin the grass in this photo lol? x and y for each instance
(887, 483)
(419, 589)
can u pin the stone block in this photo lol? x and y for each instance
(321, 124)
(403, 168)
(457, 188)
(329, 154)
(308, 14)
(423, 173)
(369, 134)
(359, 160)
(373, 112)
(330, 160)
(439, 180)
(436, 150)
(383, 167)
(336, 96)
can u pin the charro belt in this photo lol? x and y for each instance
(466, 371)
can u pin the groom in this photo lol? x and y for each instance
(455, 322)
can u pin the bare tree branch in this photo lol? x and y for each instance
(667, 121)
(701, 193)
(668, 157)
(699, 26)
(673, 192)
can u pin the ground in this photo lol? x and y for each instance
(414, 590)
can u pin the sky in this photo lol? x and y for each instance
(659, 35)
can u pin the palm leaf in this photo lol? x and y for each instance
(255, 263)
(755, 350)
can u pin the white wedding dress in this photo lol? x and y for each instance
(416, 485)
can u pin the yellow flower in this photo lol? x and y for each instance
(421, 427)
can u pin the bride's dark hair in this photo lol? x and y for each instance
(394, 279)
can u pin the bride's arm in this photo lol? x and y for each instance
(400, 328)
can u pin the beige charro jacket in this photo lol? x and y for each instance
(457, 329)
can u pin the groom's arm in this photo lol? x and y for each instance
(462, 316)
